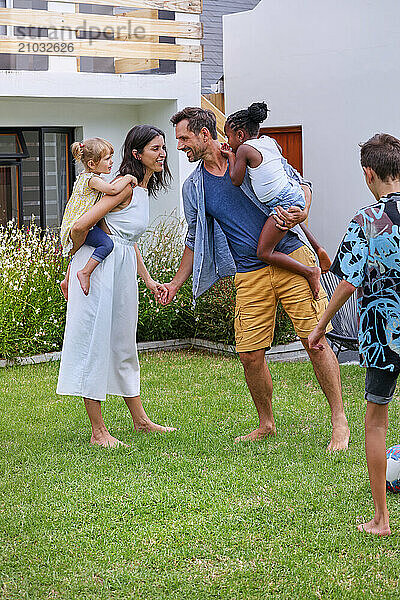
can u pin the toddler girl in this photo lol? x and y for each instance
(262, 159)
(96, 156)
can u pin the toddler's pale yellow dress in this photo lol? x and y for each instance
(82, 198)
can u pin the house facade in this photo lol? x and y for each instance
(329, 74)
(69, 72)
(212, 68)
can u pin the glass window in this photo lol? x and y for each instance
(12, 145)
(36, 175)
(56, 177)
(31, 179)
(9, 144)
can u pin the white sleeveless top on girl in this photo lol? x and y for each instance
(269, 178)
(99, 355)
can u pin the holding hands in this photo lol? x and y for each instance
(169, 295)
(158, 289)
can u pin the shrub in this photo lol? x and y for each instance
(213, 317)
(32, 308)
(162, 247)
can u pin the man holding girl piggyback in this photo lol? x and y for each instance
(228, 202)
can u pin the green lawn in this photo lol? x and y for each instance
(188, 515)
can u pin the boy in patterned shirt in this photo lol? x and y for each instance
(368, 259)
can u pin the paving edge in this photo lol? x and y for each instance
(293, 352)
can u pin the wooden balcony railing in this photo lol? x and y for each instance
(131, 38)
(221, 118)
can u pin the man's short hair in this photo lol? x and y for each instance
(197, 119)
(382, 154)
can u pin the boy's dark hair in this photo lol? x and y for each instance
(382, 154)
(197, 119)
(249, 119)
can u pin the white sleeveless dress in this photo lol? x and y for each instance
(99, 354)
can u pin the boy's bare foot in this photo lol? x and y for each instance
(256, 435)
(314, 281)
(379, 527)
(105, 440)
(84, 280)
(340, 438)
(150, 427)
(324, 260)
(64, 288)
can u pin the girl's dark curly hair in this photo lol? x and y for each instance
(249, 120)
(137, 138)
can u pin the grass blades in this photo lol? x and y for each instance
(188, 515)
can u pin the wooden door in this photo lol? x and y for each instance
(290, 139)
(9, 194)
(5, 195)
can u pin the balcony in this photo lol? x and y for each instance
(102, 36)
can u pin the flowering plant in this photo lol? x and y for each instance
(33, 310)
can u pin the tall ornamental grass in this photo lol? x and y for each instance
(32, 308)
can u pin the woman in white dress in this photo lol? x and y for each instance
(99, 355)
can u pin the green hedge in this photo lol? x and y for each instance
(32, 308)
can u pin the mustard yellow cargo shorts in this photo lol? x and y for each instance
(258, 293)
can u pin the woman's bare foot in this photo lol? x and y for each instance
(377, 527)
(314, 281)
(105, 440)
(84, 280)
(340, 438)
(256, 435)
(64, 288)
(150, 427)
(324, 260)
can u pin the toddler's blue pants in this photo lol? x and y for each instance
(102, 243)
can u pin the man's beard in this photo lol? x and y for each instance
(194, 155)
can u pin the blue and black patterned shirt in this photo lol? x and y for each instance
(369, 259)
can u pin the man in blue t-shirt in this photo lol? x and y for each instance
(224, 226)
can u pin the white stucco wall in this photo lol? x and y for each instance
(331, 67)
(109, 120)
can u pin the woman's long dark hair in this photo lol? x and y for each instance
(137, 138)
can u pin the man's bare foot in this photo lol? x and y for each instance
(105, 440)
(380, 527)
(314, 281)
(256, 435)
(150, 427)
(324, 260)
(84, 280)
(64, 288)
(340, 438)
